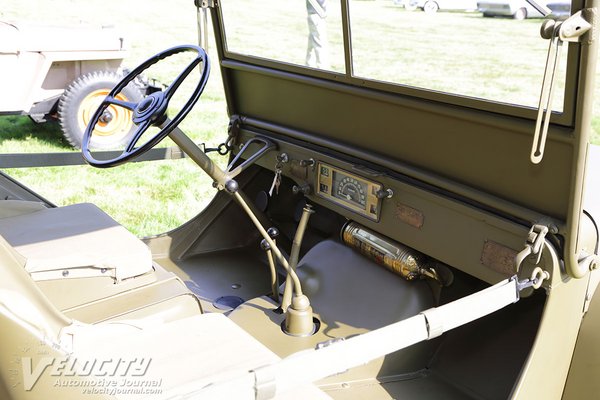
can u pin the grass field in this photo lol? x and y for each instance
(498, 59)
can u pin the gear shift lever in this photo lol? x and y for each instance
(299, 314)
(294, 254)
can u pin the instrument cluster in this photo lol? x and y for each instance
(349, 190)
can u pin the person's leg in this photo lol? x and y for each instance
(320, 42)
(311, 56)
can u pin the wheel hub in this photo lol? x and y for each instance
(114, 122)
(106, 117)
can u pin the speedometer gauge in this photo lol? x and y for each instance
(351, 191)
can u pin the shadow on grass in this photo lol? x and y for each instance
(22, 128)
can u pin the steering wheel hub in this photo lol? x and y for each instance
(151, 108)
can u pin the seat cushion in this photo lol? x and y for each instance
(185, 357)
(75, 241)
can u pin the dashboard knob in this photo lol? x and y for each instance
(265, 245)
(304, 189)
(273, 232)
(384, 194)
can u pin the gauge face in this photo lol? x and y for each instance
(349, 189)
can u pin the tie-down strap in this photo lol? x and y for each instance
(309, 366)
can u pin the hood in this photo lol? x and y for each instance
(24, 36)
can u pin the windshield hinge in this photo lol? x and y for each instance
(573, 29)
(534, 245)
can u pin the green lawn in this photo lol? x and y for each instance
(498, 59)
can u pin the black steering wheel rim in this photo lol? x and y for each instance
(151, 110)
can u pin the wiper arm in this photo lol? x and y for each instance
(541, 8)
(570, 30)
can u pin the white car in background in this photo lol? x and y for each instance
(517, 9)
(433, 6)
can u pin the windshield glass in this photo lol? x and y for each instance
(489, 50)
(306, 33)
(498, 59)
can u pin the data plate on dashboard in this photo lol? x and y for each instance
(349, 190)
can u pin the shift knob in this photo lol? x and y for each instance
(299, 317)
(273, 232)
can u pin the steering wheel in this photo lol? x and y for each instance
(152, 110)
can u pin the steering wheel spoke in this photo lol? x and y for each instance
(122, 103)
(152, 109)
(141, 129)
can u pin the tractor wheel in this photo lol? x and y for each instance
(81, 99)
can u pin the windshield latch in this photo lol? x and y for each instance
(534, 245)
(570, 30)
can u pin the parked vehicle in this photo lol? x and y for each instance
(52, 72)
(517, 9)
(367, 240)
(433, 6)
(560, 8)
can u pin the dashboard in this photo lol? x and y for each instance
(446, 229)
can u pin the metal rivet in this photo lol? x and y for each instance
(103, 270)
(65, 273)
(236, 286)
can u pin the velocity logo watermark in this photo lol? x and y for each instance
(95, 376)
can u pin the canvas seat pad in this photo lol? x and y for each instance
(79, 240)
(187, 356)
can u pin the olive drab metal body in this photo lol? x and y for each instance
(393, 221)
